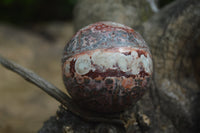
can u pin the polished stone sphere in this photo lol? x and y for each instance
(106, 67)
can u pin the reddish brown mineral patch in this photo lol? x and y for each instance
(128, 83)
(127, 53)
(72, 67)
(106, 27)
(143, 74)
(141, 52)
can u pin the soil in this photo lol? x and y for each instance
(23, 106)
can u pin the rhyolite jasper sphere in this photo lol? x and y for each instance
(106, 67)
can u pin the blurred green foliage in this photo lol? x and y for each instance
(30, 11)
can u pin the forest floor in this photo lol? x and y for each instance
(23, 106)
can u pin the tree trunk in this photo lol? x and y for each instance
(172, 103)
(173, 36)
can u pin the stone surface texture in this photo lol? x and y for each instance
(107, 67)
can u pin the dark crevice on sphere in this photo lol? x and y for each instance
(106, 67)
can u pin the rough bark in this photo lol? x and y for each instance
(129, 12)
(172, 35)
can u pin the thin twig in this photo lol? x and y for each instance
(56, 93)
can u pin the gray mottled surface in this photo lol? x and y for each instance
(129, 12)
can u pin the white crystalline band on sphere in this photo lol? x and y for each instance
(147, 63)
(83, 64)
(123, 64)
(130, 64)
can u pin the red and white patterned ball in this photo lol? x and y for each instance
(106, 67)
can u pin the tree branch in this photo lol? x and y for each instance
(60, 96)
